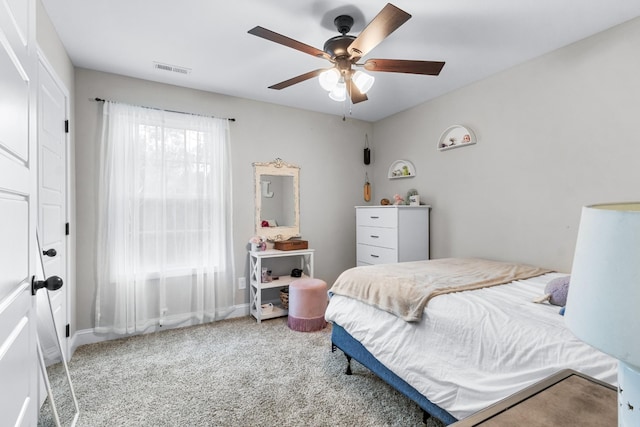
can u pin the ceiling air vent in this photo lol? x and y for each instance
(172, 68)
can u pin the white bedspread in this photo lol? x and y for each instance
(474, 348)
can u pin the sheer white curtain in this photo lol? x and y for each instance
(164, 235)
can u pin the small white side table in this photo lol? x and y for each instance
(257, 286)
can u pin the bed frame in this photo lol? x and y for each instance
(352, 348)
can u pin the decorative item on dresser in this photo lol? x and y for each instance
(291, 245)
(389, 234)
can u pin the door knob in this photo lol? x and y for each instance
(50, 252)
(52, 283)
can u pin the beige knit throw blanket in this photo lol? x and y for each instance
(404, 289)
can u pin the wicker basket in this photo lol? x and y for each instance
(284, 297)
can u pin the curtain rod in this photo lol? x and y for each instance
(172, 111)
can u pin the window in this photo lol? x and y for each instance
(174, 206)
(164, 218)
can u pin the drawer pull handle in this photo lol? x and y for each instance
(375, 217)
(374, 256)
(374, 237)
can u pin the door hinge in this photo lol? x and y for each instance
(67, 331)
(66, 126)
(66, 229)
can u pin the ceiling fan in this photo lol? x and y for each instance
(344, 52)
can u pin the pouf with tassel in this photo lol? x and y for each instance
(307, 304)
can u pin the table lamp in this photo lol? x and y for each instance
(603, 305)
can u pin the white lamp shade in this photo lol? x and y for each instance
(363, 81)
(603, 305)
(339, 92)
(328, 79)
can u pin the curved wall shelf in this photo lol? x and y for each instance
(456, 136)
(401, 169)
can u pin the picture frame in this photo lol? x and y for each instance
(456, 136)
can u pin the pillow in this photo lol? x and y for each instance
(557, 290)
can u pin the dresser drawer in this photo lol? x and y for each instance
(377, 217)
(376, 255)
(378, 236)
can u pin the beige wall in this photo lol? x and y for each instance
(554, 134)
(327, 149)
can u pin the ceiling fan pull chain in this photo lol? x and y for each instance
(344, 110)
(348, 99)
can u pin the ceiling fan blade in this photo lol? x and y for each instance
(289, 42)
(431, 68)
(355, 94)
(386, 22)
(297, 79)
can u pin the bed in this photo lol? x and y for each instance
(460, 334)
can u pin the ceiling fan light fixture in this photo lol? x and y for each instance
(363, 81)
(328, 79)
(339, 92)
(344, 52)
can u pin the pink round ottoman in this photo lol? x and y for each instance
(307, 304)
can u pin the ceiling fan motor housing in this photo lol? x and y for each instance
(337, 46)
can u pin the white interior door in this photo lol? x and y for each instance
(52, 201)
(18, 357)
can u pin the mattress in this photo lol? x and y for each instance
(474, 348)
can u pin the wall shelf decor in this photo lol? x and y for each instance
(401, 169)
(456, 136)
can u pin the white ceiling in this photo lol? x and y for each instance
(476, 38)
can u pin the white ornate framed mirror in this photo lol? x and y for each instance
(277, 200)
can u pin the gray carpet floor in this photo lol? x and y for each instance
(230, 373)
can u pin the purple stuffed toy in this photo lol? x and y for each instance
(556, 291)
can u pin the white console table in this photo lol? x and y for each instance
(257, 286)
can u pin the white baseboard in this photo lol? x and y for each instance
(88, 336)
(239, 310)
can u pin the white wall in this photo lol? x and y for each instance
(327, 149)
(554, 134)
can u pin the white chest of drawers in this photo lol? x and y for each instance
(389, 234)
